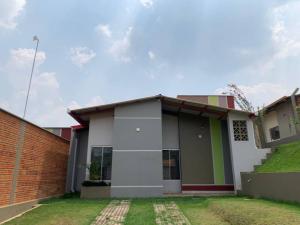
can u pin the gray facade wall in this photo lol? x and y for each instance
(196, 152)
(170, 133)
(137, 150)
(80, 168)
(100, 133)
(226, 153)
(170, 140)
(77, 160)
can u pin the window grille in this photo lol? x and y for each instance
(240, 131)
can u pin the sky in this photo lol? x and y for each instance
(96, 52)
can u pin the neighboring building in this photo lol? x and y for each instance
(156, 145)
(64, 132)
(33, 165)
(280, 118)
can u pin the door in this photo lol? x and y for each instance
(196, 154)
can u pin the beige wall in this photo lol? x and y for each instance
(270, 121)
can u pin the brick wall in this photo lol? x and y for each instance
(33, 162)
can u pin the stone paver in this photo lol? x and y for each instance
(169, 214)
(113, 214)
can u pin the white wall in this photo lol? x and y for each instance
(244, 154)
(100, 132)
(270, 121)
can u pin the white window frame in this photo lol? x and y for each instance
(102, 146)
(173, 149)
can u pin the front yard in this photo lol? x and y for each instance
(181, 210)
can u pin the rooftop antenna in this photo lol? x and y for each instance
(35, 38)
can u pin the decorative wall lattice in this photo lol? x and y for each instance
(240, 131)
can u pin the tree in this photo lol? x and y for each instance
(239, 97)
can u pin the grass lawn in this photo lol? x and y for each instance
(198, 210)
(141, 212)
(63, 211)
(285, 159)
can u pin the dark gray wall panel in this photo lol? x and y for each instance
(143, 109)
(170, 133)
(137, 168)
(136, 192)
(127, 138)
(196, 153)
(137, 172)
(82, 147)
(226, 153)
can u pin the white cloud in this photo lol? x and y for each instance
(46, 107)
(103, 29)
(73, 105)
(96, 100)
(119, 48)
(9, 11)
(286, 30)
(24, 56)
(81, 55)
(151, 55)
(261, 94)
(147, 3)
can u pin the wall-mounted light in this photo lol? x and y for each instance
(137, 129)
(199, 136)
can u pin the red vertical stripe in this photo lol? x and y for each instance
(66, 133)
(230, 102)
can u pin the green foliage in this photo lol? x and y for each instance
(95, 168)
(285, 159)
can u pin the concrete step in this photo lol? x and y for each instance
(255, 167)
(268, 155)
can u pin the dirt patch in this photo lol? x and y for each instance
(113, 214)
(168, 214)
(254, 212)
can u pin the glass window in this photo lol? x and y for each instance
(240, 131)
(171, 169)
(274, 133)
(101, 159)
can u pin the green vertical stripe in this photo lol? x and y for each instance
(213, 100)
(217, 151)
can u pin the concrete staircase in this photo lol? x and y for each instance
(268, 155)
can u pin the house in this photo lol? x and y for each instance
(159, 144)
(280, 119)
(64, 132)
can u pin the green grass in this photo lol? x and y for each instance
(141, 212)
(285, 159)
(200, 211)
(62, 211)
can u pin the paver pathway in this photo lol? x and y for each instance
(169, 214)
(113, 214)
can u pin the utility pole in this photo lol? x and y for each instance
(296, 116)
(35, 38)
